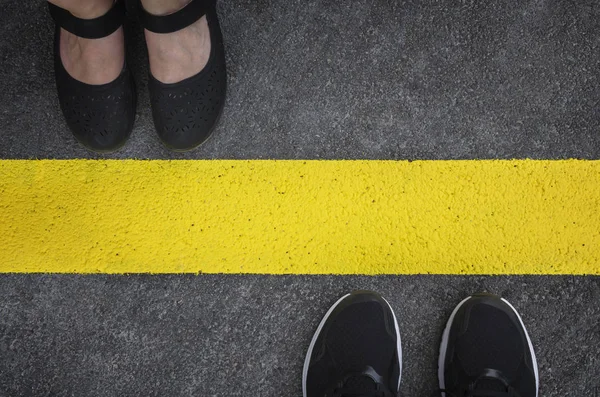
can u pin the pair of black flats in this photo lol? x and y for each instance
(101, 116)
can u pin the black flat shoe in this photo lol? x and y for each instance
(185, 113)
(100, 116)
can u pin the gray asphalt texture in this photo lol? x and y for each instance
(229, 335)
(307, 80)
(360, 79)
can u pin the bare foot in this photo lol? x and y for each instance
(179, 55)
(92, 61)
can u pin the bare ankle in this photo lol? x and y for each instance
(163, 7)
(88, 9)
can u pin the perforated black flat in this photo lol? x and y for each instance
(185, 113)
(100, 116)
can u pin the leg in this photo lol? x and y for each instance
(178, 55)
(355, 351)
(92, 61)
(486, 351)
(86, 9)
(163, 7)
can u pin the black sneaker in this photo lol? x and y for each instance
(486, 351)
(356, 350)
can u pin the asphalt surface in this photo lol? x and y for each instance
(207, 335)
(311, 79)
(366, 79)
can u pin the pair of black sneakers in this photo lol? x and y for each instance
(356, 352)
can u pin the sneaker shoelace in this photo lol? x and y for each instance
(359, 386)
(350, 393)
(481, 393)
(478, 390)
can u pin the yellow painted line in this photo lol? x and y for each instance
(300, 217)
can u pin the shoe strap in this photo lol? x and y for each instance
(96, 28)
(178, 20)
